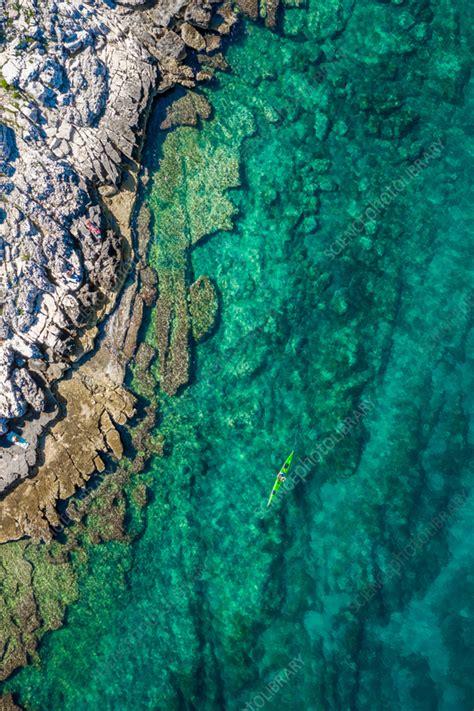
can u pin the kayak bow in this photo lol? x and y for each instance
(278, 481)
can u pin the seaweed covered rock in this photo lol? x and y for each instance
(203, 305)
(187, 111)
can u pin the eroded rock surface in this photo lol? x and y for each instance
(77, 79)
(74, 451)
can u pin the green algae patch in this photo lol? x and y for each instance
(54, 584)
(37, 584)
(189, 201)
(188, 195)
(203, 306)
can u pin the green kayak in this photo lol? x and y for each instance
(279, 480)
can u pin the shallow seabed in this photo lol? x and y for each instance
(354, 590)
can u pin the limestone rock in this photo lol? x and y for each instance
(7, 703)
(192, 38)
(72, 107)
(72, 454)
(170, 46)
(249, 8)
(198, 13)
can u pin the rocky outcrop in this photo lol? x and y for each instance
(76, 82)
(73, 453)
(7, 704)
(187, 111)
(203, 305)
(266, 9)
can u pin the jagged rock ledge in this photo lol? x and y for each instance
(77, 81)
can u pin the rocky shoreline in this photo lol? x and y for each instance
(72, 125)
(75, 432)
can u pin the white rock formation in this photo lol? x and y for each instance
(76, 77)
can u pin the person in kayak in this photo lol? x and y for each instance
(280, 478)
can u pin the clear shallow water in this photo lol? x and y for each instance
(216, 597)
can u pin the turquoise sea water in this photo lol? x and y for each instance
(346, 333)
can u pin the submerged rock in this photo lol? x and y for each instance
(203, 305)
(187, 111)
